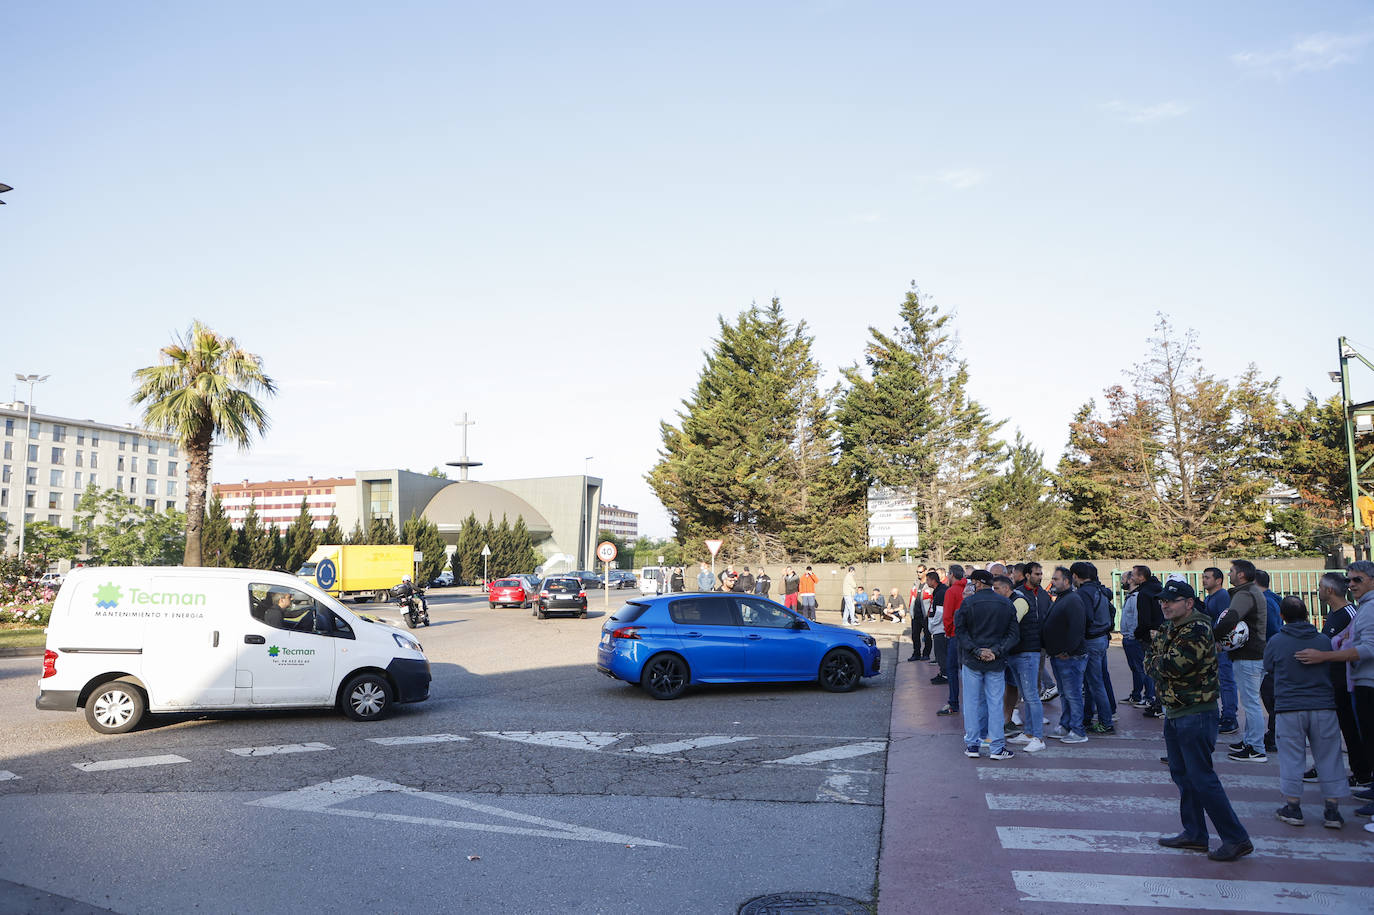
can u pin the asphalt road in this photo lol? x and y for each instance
(528, 782)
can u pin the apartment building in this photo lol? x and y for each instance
(45, 468)
(619, 521)
(278, 502)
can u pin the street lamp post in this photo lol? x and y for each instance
(30, 380)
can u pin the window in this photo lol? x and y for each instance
(119, 484)
(171, 505)
(5, 474)
(76, 502)
(152, 446)
(59, 433)
(55, 520)
(134, 443)
(150, 487)
(171, 468)
(286, 608)
(698, 611)
(152, 464)
(79, 459)
(31, 476)
(119, 462)
(4, 496)
(95, 460)
(171, 487)
(29, 499)
(133, 465)
(54, 500)
(9, 426)
(150, 503)
(171, 449)
(35, 428)
(58, 456)
(9, 451)
(133, 486)
(123, 441)
(765, 615)
(33, 453)
(95, 437)
(76, 479)
(81, 436)
(379, 498)
(55, 478)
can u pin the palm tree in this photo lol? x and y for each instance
(203, 388)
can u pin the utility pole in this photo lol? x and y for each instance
(1356, 415)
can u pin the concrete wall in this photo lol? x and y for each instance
(571, 505)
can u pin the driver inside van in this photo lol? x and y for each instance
(279, 613)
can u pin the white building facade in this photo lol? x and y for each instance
(619, 521)
(278, 502)
(45, 468)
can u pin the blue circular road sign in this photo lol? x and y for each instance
(326, 574)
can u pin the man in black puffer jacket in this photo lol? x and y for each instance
(985, 625)
(1149, 620)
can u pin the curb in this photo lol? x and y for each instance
(33, 651)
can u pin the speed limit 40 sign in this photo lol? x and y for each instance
(605, 551)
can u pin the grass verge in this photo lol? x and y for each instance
(21, 637)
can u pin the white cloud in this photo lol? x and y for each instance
(961, 179)
(1143, 114)
(1320, 51)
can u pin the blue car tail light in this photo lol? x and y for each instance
(627, 632)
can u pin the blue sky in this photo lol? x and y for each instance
(535, 212)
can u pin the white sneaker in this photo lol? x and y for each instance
(1059, 732)
(1035, 744)
(1044, 721)
(1075, 738)
(1021, 738)
(1016, 717)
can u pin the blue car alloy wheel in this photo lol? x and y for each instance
(665, 676)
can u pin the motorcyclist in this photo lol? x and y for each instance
(405, 590)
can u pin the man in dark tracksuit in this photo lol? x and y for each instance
(1062, 635)
(985, 625)
(1183, 663)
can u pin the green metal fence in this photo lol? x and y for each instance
(1302, 582)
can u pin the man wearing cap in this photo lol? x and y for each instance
(985, 625)
(1183, 663)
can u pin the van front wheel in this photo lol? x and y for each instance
(115, 707)
(367, 697)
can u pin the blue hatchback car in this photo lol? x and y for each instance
(667, 643)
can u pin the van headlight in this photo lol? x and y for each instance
(406, 642)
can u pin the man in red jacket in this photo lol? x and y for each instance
(954, 596)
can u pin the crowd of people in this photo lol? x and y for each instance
(1232, 661)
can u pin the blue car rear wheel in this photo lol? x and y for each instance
(840, 671)
(665, 676)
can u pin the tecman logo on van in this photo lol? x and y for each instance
(276, 651)
(108, 596)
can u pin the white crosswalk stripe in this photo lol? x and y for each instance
(848, 751)
(414, 739)
(568, 740)
(135, 762)
(1113, 803)
(1116, 777)
(1116, 841)
(691, 743)
(1191, 893)
(280, 749)
(6, 775)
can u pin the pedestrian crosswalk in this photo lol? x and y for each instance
(1084, 832)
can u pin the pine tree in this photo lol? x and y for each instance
(489, 541)
(252, 547)
(1313, 462)
(301, 538)
(333, 534)
(502, 549)
(907, 423)
(752, 438)
(468, 556)
(358, 535)
(424, 536)
(216, 536)
(382, 532)
(1018, 516)
(524, 557)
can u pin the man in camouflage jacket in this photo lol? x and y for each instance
(1183, 663)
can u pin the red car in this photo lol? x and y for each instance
(509, 592)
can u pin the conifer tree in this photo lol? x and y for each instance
(333, 534)
(524, 557)
(906, 422)
(1018, 516)
(424, 536)
(382, 532)
(358, 535)
(468, 556)
(216, 536)
(502, 549)
(752, 439)
(301, 538)
(253, 546)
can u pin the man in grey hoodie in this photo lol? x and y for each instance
(1305, 715)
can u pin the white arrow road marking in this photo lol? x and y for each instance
(693, 743)
(842, 787)
(281, 748)
(6, 775)
(421, 738)
(572, 740)
(131, 763)
(324, 798)
(1192, 893)
(848, 751)
(1035, 838)
(1118, 777)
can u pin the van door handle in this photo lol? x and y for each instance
(254, 640)
(214, 642)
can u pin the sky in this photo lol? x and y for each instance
(537, 213)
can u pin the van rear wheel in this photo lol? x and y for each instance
(367, 697)
(115, 707)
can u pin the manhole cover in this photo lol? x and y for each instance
(811, 903)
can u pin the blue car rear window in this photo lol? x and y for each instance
(699, 612)
(629, 613)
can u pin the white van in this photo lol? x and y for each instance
(125, 641)
(653, 580)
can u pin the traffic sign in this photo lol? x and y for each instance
(605, 551)
(326, 574)
(486, 550)
(713, 545)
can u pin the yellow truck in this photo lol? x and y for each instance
(358, 570)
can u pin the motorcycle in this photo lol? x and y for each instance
(414, 608)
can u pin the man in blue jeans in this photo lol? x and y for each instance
(1183, 663)
(1248, 606)
(1216, 602)
(986, 628)
(1097, 603)
(1023, 666)
(1061, 635)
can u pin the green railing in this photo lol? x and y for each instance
(1302, 582)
